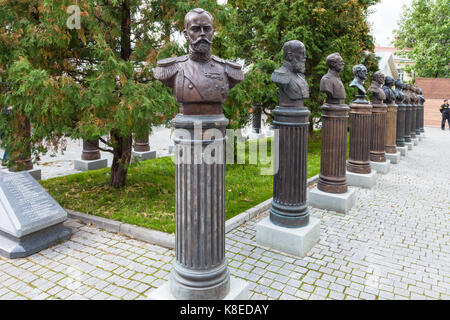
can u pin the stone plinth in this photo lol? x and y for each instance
(381, 167)
(142, 156)
(415, 141)
(295, 241)
(409, 145)
(367, 181)
(239, 290)
(84, 165)
(393, 157)
(403, 150)
(339, 202)
(31, 220)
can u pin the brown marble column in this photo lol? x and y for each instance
(142, 144)
(90, 150)
(401, 110)
(334, 148)
(379, 114)
(360, 130)
(391, 128)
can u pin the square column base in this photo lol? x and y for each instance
(256, 136)
(239, 290)
(381, 167)
(171, 149)
(295, 241)
(339, 202)
(409, 145)
(415, 141)
(361, 180)
(85, 165)
(403, 151)
(420, 137)
(394, 157)
(147, 155)
(269, 133)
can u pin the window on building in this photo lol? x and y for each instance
(401, 74)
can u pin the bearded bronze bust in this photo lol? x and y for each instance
(199, 77)
(290, 78)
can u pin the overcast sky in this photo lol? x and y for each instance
(384, 20)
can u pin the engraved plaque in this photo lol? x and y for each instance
(25, 206)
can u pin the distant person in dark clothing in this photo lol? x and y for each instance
(445, 110)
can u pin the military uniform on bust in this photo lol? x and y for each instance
(198, 83)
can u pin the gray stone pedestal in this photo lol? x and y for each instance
(339, 202)
(30, 219)
(269, 132)
(88, 165)
(147, 155)
(403, 151)
(393, 157)
(415, 141)
(381, 167)
(362, 180)
(256, 136)
(420, 137)
(409, 145)
(239, 290)
(295, 241)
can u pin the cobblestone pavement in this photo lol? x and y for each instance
(394, 244)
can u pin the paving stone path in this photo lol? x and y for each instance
(394, 244)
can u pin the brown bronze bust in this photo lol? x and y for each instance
(331, 83)
(378, 95)
(290, 78)
(201, 81)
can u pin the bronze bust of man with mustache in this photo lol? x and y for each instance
(201, 81)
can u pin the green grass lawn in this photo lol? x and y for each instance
(149, 200)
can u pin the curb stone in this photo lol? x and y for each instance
(163, 239)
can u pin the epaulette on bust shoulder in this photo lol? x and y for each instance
(167, 68)
(280, 77)
(234, 70)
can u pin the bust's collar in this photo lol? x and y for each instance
(199, 57)
(333, 73)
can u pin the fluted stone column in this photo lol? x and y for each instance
(378, 136)
(200, 270)
(289, 207)
(400, 136)
(408, 116)
(418, 112)
(360, 130)
(90, 150)
(256, 119)
(142, 144)
(289, 227)
(90, 157)
(332, 191)
(412, 132)
(334, 148)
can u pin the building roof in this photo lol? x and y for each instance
(434, 88)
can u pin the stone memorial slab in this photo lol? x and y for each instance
(30, 219)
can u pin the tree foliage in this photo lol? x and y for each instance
(89, 82)
(257, 29)
(424, 35)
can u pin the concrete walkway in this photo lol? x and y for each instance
(394, 244)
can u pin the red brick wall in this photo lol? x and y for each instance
(435, 91)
